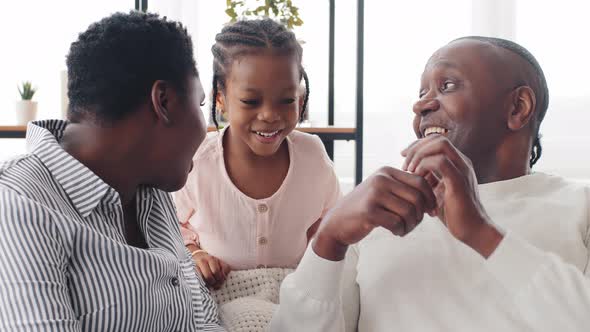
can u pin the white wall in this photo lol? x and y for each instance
(399, 38)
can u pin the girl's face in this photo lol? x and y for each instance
(262, 100)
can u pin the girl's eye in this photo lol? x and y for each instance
(288, 101)
(250, 102)
(202, 104)
(421, 94)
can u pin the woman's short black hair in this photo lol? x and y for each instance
(114, 63)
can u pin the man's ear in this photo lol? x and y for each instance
(522, 107)
(160, 100)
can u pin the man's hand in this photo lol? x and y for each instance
(390, 198)
(451, 175)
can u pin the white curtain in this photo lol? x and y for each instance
(36, 36)
(399, 38)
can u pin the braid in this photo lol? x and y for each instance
(306, 98)
(536, 151)
(214, 103)
(243, 37)
(246, 40)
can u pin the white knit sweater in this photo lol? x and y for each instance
(428, 281)
(248, 298)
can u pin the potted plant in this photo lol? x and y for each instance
(26, 109)
(282, 10)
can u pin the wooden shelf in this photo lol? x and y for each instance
(327, 130)
(314, 130)
(332, 133)
(13, 131)
(318, 130)
(328, 135)
(13, 128)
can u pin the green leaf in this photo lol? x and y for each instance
(259, 9)
(282, 10)
(275, 10)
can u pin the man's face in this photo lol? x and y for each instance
(462, 97)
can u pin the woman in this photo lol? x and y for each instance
(88, 232)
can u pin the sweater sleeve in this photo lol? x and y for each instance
(549, 294)
(321, 295)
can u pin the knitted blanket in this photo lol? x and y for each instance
(248, 298)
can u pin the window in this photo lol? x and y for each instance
(398, 39)
(556, 33)
(398, 42)
(36, 37)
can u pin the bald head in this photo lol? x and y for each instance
(516, 60)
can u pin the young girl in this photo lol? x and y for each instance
(258, 189)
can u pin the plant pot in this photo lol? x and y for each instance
(26, 111)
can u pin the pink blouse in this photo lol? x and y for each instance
(249, 233)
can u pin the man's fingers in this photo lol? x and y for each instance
(409, 151)
(443, 166)
(432, 179)
(419, 190)
(433, 146)
(402, 209)
(390, 221)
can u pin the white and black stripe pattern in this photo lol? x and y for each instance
(64, 262)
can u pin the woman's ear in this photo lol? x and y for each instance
(160, 100)
(522, 107)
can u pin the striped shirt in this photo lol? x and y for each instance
(64, 261)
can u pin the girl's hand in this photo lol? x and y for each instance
(213, 269)
(189, 234)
